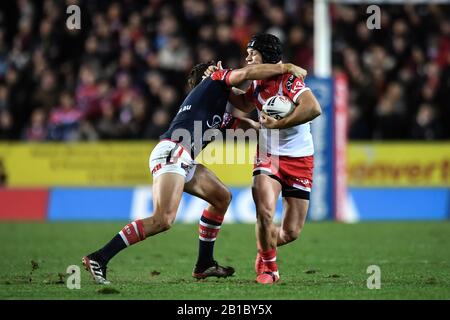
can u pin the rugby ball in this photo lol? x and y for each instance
(278, 107)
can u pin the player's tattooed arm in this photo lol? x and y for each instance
(307, 109)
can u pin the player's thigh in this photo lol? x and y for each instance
(207, 186)
(167, 193)
(265, 191)
(294, 215)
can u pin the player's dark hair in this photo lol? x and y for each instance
(196, 74)
(268, 45)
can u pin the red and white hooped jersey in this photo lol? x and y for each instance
(295, 141)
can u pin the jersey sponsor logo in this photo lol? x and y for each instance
(185, 108)
(216, 121)
(292, 85)
(289, 83)
(298, 85)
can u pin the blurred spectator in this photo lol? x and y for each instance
(4, 92)
(159, 125)
(64, 119)
(6, 125)
(37, 129)
(298, 50)
(3, 178)
(278, 21)
(390, 117)
(169, 99)
(426, 125)
(85, 132)
(46, 95)
(174, 55)
(107, 126)
(135, 126)
(87, 93)
(230, 52)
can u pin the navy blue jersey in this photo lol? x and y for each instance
(202, 110)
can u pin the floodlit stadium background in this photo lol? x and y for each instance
(122, 76)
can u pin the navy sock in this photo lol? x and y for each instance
(130, 234)
(205, 254)
(110, 249)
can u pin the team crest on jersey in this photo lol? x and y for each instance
(216, 121)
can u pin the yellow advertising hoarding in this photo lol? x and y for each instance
(96, 164)
(126, 164)
(107, 164)
(399, 165)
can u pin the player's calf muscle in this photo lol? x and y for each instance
(155, 225)
(286, 236)
(265, 217)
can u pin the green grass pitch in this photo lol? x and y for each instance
(329, 261)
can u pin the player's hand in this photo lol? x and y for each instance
(296, 71)
(211, 69)
(268, 122)
(253, 124)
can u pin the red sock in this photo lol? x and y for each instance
(270, 259)
(209, 225)
(133, 232)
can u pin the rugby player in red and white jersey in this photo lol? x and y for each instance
(287, 166)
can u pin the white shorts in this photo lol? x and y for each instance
(171, 157)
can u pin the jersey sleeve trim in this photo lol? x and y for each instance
(227, 77)
(299, 93)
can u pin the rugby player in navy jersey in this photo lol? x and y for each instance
(175, 171)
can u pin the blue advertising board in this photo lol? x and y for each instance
(322, 128)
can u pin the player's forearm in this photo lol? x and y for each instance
(238, 101)
(303, 113)
(264, 71)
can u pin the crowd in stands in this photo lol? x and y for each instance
(123, 74)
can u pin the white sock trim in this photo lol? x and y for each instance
(270, 260)
(124, 238)
(207, 239)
